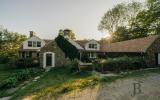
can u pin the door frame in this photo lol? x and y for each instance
(158, 58)
(44, 59)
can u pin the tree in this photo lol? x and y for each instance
(147, 22)
(121, 34)
(112, 18)
(119, 15)
(9, 43)
(67, 32)
(134, 21)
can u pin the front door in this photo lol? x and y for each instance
(48, 59)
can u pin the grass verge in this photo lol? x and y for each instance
(132, 74)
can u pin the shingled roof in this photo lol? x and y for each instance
(78, 46)
(135, 45)
(82, 42)
(47, 40)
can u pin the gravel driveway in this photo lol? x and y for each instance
(146, 88)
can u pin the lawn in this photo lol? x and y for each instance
(5, 72)
(132, 74)
(11, 77)
(62, 80)
(56, 82)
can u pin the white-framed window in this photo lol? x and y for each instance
(34, 44)
(93, 46)
(38, 44)
(29, 43)
(92, 55)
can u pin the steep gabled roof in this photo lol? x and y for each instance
(79, 47)
(135, 45)
(82, 42)
(47, 40)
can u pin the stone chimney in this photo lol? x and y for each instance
(32, 33)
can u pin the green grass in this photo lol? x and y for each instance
(7, 72)
(132, 74)
(4, 72)
(61, 80)
(55, 82)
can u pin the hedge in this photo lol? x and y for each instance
(118, 64)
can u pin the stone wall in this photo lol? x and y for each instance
(60, 59)
(152, 53)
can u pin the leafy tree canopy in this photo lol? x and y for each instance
(10, 42)
(132, 20)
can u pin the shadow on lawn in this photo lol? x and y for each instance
(55, 82)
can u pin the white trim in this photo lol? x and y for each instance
(92, 55)
(93, 42)
(158, 58)
(44, 59)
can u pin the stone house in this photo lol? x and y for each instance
(50, 54)
(45, 51)
(147, 47)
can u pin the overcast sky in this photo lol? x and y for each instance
(46, 17)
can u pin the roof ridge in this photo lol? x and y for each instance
(136, 39)
(134, 45)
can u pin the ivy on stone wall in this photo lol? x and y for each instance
(69, 50)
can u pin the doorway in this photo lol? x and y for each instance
(48, 59)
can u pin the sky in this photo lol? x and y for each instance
(47, 17)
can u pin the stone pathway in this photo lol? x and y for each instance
(5, 98)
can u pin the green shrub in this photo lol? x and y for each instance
(19, 76)
(98, 64)
(9, 82)
(27, 62)
(74, 65)
(120, 64)
(4, 59)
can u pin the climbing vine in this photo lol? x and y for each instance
(69, 50)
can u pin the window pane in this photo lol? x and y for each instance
(38, 44)
(29, 43)
(90, 45)
(37, 54)
(34, 44)
(95, 46)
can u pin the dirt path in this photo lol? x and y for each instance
(149, 88)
